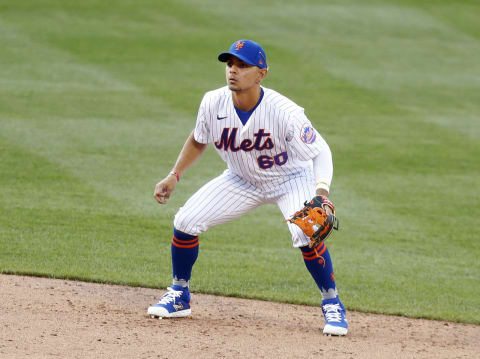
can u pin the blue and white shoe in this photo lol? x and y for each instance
(335, 317)
(174, 304)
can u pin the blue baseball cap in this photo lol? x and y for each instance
(248, 51)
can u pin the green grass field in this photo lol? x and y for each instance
(97, 98)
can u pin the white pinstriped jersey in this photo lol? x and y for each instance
(276, 144)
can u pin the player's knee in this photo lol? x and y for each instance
(184, 222)
(180, 222)
(299, 238)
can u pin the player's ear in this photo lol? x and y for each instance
(261, 74)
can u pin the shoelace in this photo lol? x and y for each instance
(170, 296)
(332, 312)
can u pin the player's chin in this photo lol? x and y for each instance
(233, 87)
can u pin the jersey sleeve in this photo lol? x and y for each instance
(202, 128)
(323, 169)
(303, 139)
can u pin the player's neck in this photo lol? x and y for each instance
(246, 100)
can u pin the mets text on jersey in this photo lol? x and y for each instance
(228, 139)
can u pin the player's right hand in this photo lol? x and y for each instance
(164, 188)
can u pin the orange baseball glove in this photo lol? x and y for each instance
(314, 221)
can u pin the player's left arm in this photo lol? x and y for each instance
(323, 168)
(323, 171)
(322, 192)
(307, 143)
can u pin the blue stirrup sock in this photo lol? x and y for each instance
(319, 264)
(184, 254)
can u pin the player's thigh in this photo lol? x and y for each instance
(297, 191)
(219, 201)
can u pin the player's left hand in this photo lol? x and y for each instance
(316, 219)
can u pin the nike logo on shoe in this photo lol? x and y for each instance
(178, 306)
(221, 118)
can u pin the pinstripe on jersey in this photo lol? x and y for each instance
(229, 196)
(268, 160)
(268, 149)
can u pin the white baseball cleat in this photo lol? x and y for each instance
(335, 317)
(174, 304)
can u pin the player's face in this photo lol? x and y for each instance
(242, 76)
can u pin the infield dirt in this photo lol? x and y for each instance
(51, 318)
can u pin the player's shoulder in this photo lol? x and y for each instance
(281, 103)
(217, 94)
(283, 106)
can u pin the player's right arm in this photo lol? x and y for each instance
(190, 153)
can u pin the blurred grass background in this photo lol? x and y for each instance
(97, 98)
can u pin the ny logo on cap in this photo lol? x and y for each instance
(239, 45)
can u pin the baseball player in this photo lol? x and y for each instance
(273, 155)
